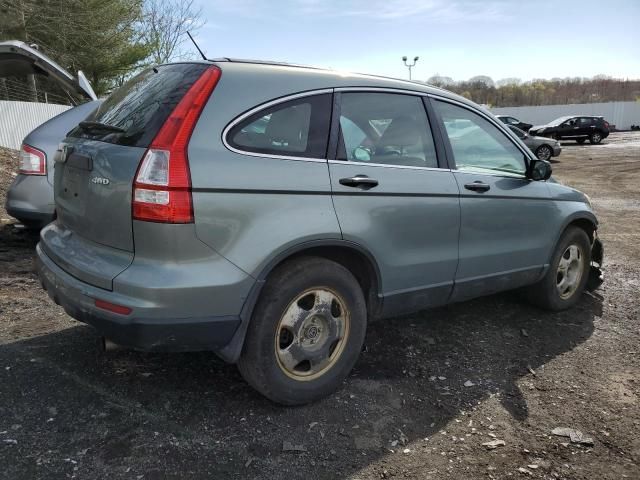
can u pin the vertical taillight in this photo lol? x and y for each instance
(32, 161)
(162, 186)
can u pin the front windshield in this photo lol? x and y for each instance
(517, 131)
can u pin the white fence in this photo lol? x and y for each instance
(17, 119)
(620, 114)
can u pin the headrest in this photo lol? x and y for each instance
(289, 125)
(401, 132)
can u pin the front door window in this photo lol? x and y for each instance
(477, 144)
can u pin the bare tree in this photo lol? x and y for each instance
(165, 25)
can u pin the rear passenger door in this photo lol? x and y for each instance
(394, 195)
(505, 233)
(585, 126)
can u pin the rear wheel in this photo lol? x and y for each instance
(568, 272)
(544, 152)
(306, 332)
(580, 140)
(595, 138)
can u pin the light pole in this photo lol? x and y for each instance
(410, 65)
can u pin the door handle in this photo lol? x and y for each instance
(360, 181)
(477, 186)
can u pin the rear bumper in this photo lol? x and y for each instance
(135, 330)
(557, 149)
(30, 200)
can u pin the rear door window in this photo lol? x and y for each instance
(297, 128)
(141, 105)
(385, 128)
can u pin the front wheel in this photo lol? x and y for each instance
(568, 273)
(595, 138)
(306, 331)
(544, 152)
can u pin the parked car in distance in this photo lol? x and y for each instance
(544, 148)
(512, 121)
(578, 128)
(30, 197)
(268, 212)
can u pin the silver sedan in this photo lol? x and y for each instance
(544, 148)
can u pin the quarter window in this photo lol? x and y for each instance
(477, 144)
(298, 128)
(385, 128)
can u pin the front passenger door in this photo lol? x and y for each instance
(504, 230)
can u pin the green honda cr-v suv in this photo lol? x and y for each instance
(268, 212)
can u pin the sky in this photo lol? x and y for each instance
(455, 38)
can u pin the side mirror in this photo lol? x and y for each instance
(539, 170)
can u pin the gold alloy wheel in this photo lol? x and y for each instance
(570, 271)
(312, 333)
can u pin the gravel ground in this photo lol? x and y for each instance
(428, 392)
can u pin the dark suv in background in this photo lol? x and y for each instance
(578, 128)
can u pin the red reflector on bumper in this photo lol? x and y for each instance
(112, 307)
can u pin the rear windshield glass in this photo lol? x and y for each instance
(141, 105)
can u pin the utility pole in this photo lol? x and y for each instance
(410, 65)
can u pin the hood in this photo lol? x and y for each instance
(17, 58)
(538, 127)
(541, 139)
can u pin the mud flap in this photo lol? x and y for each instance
(595, 271)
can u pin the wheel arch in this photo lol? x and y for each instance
(587, 224)
(353, 256)
(585, 220)
(544, 145)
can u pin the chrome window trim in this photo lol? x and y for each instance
(515, 176)
(263, 106)
(501, 126)
(386, 165)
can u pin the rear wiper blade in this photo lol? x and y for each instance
(105, 127)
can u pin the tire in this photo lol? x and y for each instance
(547, 292)
(595, 138)
(555, 136)
(298, 305)
(544, 152)
(580, 141)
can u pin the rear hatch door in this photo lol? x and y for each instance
(96, 165)
(18, 59)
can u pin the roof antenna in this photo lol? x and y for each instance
(194, 42)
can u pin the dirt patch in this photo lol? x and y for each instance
(428, 392)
